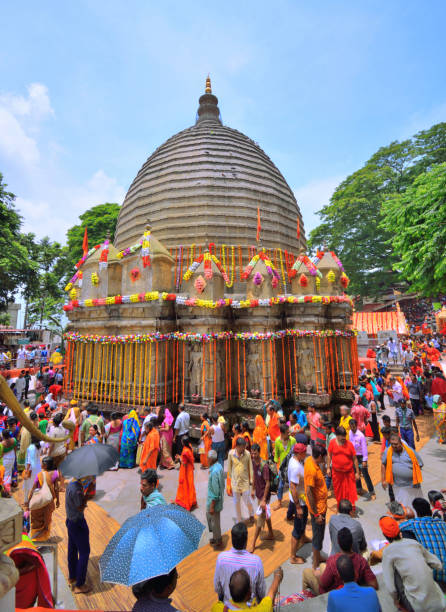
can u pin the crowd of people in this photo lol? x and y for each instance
(308, 453)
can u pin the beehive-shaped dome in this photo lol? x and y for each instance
(204, 185)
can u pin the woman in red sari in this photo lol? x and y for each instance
(343, 464)
(186, 495)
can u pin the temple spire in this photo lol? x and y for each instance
(208, 109)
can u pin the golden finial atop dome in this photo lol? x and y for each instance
(208, 88)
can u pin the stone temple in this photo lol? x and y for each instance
(207, 296)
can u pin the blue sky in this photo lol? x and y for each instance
(89, 89)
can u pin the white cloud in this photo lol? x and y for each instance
(37, 104)
(56, 213)
(15, 144)
(49, 199)
(313, 196)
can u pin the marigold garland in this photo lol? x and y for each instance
(196, 337)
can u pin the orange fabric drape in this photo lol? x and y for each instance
(150, 450)
(417, 478)
(186, 495)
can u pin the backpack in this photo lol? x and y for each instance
(273, 475)
(284, 467)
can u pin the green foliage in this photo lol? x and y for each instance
(43, 289)
(5, 319)
(416, 219)
(99, 220)
(14, 262)
(351, 223)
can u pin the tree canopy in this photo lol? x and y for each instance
(416, 220)
(99, 220)
(14, 261)
(352, 223)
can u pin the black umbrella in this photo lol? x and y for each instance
(89, 460)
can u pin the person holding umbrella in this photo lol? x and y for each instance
(154, 594)
(78, 536)
(83, 464)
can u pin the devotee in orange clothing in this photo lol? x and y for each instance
(274, 424)
(150, 449)
(186, 495)
(259, 437)
(206, 441)
(343, 464)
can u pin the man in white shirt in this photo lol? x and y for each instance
(297, 500)
(180, 429)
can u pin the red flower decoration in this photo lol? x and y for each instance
(135, 274)
(303, 280)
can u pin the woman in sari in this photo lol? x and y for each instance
(439, 412)
(343, 467)
(7, 453)
(186, 495)
(150, 449)
(259, 436)
(32, 466)
(205, 442)
(113, 432)
(165, 420)
(129, 440)
(41, 518)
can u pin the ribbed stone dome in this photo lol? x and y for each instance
(204, 185)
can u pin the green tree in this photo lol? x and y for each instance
(416, 220)
(14, 262)
(351, 223)
(99, 220)
(43, 290)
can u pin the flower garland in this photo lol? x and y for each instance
(306, 261)
(103, 259)
(223, 335)
(208, 258)
(145, 249)
(130, 250)
(182, 300)
(282, 271)
(320, 254)
(268, 264)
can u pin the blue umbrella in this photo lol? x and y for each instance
(150, 544)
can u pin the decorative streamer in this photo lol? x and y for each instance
(165, 371)
(204, 372)
(244, 370)
(315, 363)
(150, 376)
(156, 373)
(263, 370)
(296, 376)
(289, 366)
(184, 346)
(144, 390)
(215, 372)
(323, 384)
(238, 369)
(284, 368)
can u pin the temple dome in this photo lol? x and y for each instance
(204, 185)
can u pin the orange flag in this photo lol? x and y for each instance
(259, 227)
(85, 242)
(298, 228)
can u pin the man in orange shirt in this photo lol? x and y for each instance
(316, 493)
